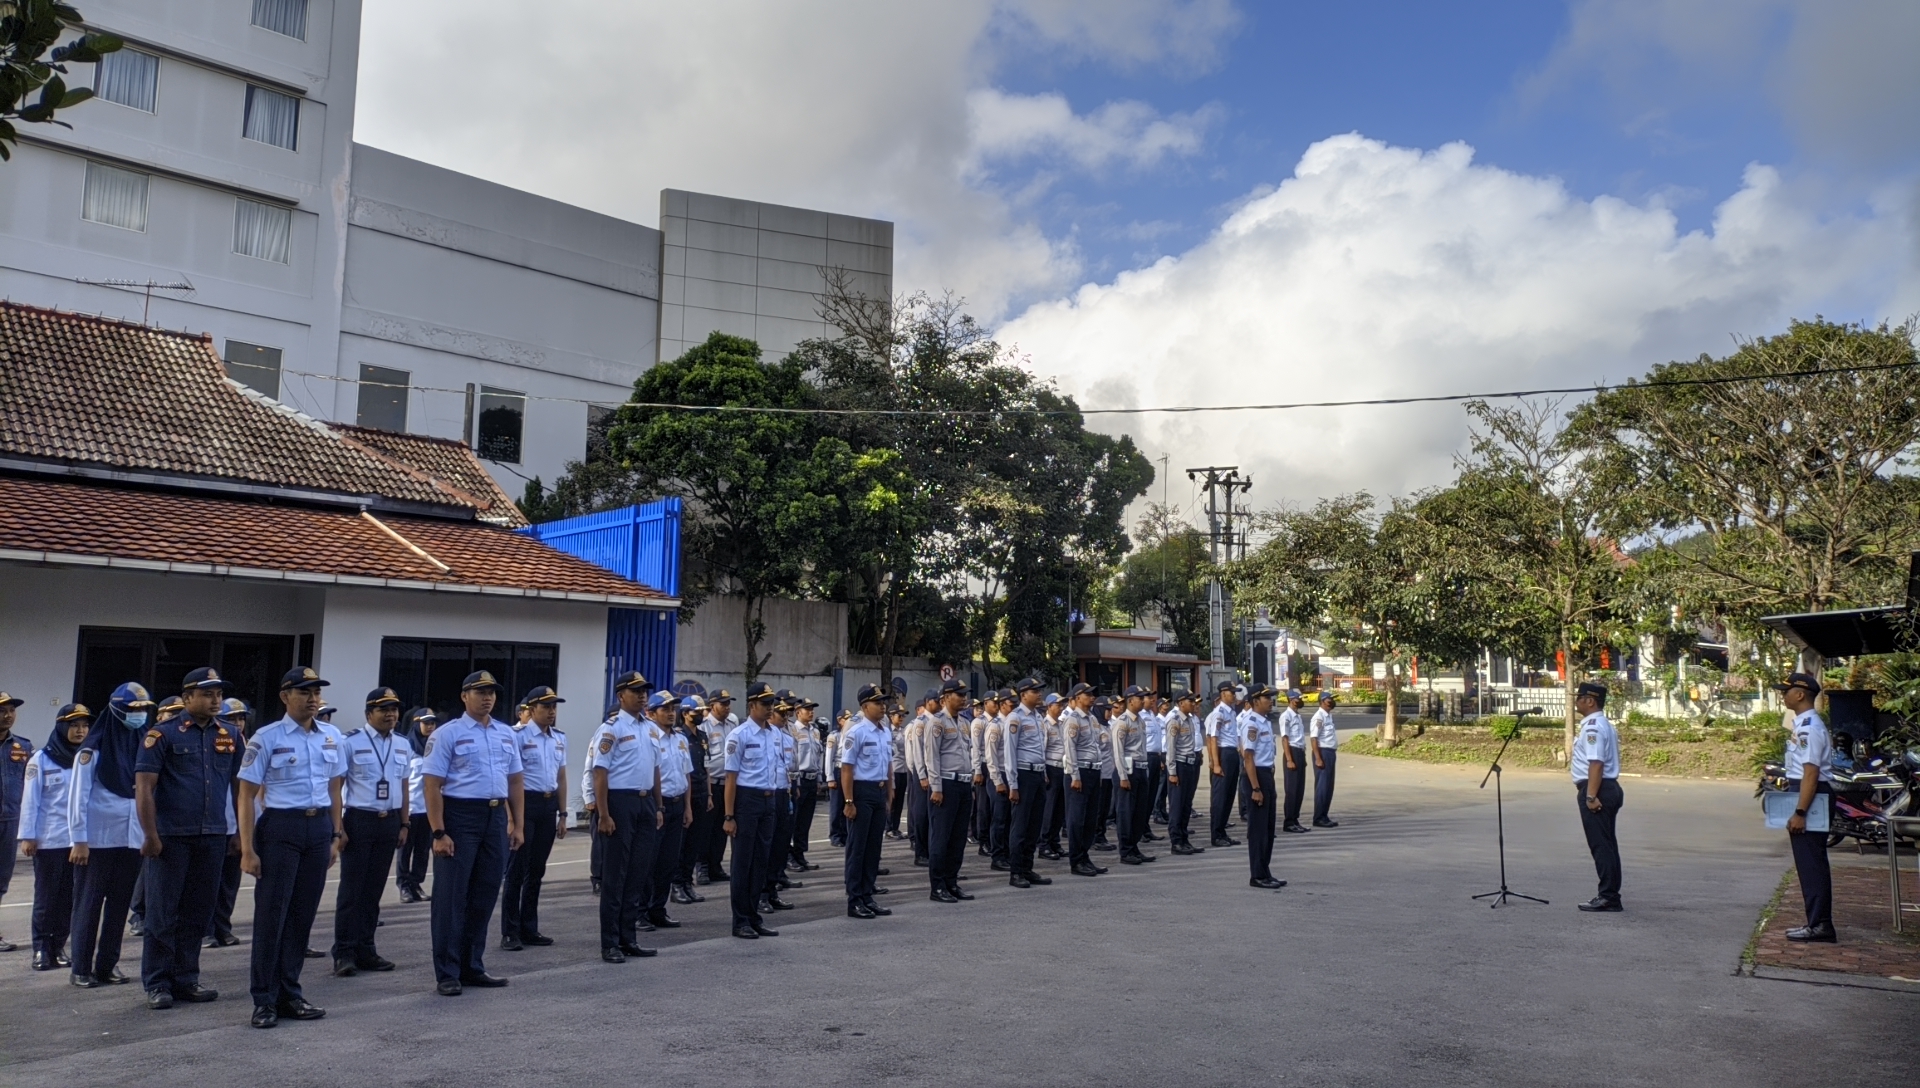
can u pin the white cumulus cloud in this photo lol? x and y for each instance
(1133, 134)
(1378, 271)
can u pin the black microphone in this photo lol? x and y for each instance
(1518, 714)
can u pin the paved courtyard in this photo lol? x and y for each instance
(1374, 966)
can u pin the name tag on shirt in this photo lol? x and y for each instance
(380, 791)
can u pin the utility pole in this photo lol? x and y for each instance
(1221, 482)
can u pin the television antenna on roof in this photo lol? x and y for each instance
(148, 287)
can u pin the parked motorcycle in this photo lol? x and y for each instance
(1864, 792)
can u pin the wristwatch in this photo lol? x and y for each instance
(438, 834)
(1799, 812)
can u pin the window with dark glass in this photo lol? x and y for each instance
(429, 672)
(383, 398)
(252, 664)
(256, 367)
(503, 416)
(287, 17)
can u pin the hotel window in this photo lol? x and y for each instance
(502, 416)
(383, 398)
(287, 17)
(115, 197)
(256, 367)
(261, 230)
(128, 77)
(272, 117)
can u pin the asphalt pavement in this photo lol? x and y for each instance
(1373, 966)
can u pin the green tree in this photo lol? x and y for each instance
(1781, 494)
(30, 61)
(737, 471)
(1166, 576)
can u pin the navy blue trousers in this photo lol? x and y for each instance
(372, 839)
(527, 867)
(1323, 783)
(294, 850)
(864, 835)
(627, 867)
(103, 888)
(183, 884)
(752, 850)
(467, 885)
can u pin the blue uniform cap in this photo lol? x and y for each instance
(300, 678)
(542, 694)
(1136, 690)
(659, 699)
(72, 712)
(1052, 698)
(11, 700)
(762, 693)
(632, 680)
(382, 697)
(1326, 696)
(476, 681)
(203, 678)
(870, 693)
(1078, 690)
(953, 687)
(1294, 693)
(1031, 683)
(693, 702)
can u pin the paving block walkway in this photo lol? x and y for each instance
(1862, 916)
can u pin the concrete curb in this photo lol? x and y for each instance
(1831, 978)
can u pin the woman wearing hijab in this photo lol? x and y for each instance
(106, 836)
(410, 861)
(45, 836)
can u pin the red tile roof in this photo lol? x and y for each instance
(96, 391)
(451, 464)
(61, 522)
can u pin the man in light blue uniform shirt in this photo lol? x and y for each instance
(756, 783)
(676, 770)
(1025, 760)
(1293, 734)
(1223, 752)
(1258, 748)
(1809, 764)
(626, 787)
(543, 758)
(293, 772)
(376, 804)
(1594, 764)
(473, 778)
(866, 781)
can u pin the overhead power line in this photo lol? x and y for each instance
(1188, 409)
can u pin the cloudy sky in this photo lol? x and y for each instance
(1208, 202)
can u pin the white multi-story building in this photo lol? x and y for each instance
(217, 164)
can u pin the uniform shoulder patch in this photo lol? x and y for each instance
(253, 751)
(606, 743)
(153, 738)
(85, 757)
(33, 771)
(432, 739)
(352, 733)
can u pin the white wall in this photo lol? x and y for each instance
(803, 638)
(357, 619)
(43, 608)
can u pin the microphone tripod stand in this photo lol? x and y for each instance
(1502, 894)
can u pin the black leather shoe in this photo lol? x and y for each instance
(1597, 905)
(1148, 836)
(941, 895)
(1183, 849)
(1104, 847)
(881, 891)
(1018, 881)
(159, 999)
(60, 959)
(195, 994)
(345, 968)
(1101, 869)
(764, 931)
(408, 895)
(921, 862)
(778, 903)
(1294, 829)
(595, 889)
(1084, 869)
(41, 960)
(646, 926)
(512, 944)
(538, 940)
(136, 927)
(663, 920)
(316, 954)
(884, 871)
(1149, 858)
(958, 894)
(1051, 854)
(1814, 935)
(613, 955)
(634, 951)
(1326, 823)
(878, 910)
(448, 988)
(374, 963)
(264, 1017)
(860, 911)
(227, 939)
(83, 982)
(745, 933)
(483, 980)
(1130, 859)
(681, 894)
(1223, 841)
(1036, 878)
(1000, 867)
(114, 977)
(299, 1009)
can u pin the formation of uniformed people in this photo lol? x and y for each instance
(680, 793)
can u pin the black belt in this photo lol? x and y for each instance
(544, 795)
(382, 813)
(628, 793)
(301, 811)
(752, 790)
(490, 802)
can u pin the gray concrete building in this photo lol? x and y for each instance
(757, 270)
(360, 286)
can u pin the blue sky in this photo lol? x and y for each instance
(1414, 74)
(1177, 202)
